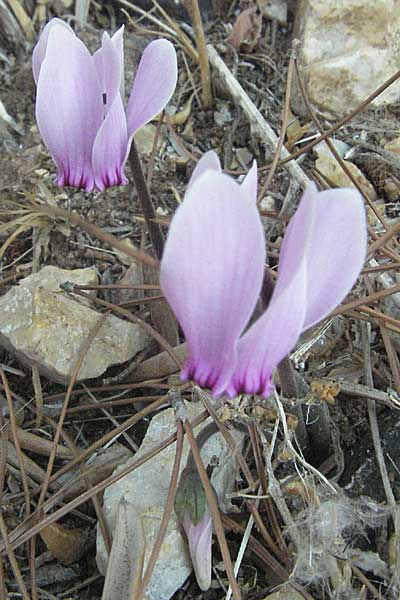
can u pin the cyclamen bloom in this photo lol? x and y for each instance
(79, 104)
(199, 537)
(212, 272)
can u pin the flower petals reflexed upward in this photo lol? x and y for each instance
(213, 266)
(211, 274)
(80, 102)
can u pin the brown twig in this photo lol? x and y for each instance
(24, 479)
(149, 213)
(343, 121)
(335, 153)
(13, 560)
(373, 297)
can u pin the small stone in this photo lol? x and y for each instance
(244, 156)
(322, 149)
(222, 116)
(268, 204)
(144, 139)
(147, 487)
(51, 278)
(44, 325)
(348, 49)
(329, 167)
(393, 145)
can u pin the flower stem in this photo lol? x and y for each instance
(149, 213)
(201, 439)
(290, 389)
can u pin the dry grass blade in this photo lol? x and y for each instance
(285, 120)
(29, 528)
(3, 455)
(282, 551)
(24, 479)
(180, 34)
(373, 297)
(23, 19)
(192, 6)
(103, 236)
(38, 394)
(13, 560)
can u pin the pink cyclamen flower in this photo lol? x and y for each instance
(79, 104)
(199, 537)
(212, 272)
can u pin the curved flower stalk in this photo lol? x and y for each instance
(212, 271)
(79, 104)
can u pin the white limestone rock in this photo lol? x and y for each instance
(42, 324)
(146, 489)
(348, 49)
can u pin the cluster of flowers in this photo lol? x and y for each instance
(214, 258)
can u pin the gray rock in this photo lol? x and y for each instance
(146, 489)
(42, 324)
(348, 49)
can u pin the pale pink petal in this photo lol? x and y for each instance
(250, 182)
(109, 148)
(271, 338)
(297, 238)
(118, 41)
(69, 107)
(211, 274)
(321, 257)
(209, 161)
(154, 84)
(109, 67)
(337, 250)
(39, 50)
(275, 333)
(110, 145)
(200, 539)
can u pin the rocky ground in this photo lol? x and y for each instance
(325, 526)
